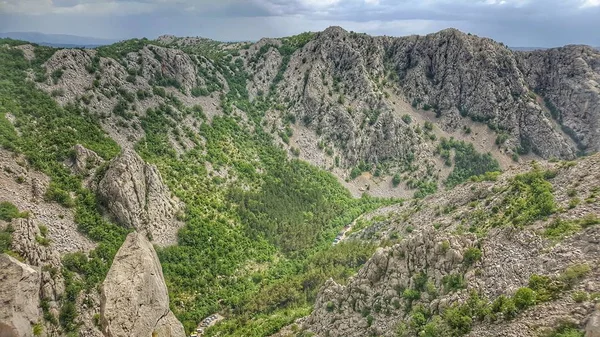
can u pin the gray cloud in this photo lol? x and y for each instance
(515, 22)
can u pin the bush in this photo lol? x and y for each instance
(355, 172)
(9, 211)
(567, 330)
(396, 180)
(502, 138)
(453, 282)
(524, 298)
(330, 306)
(458, 319)
(574, 274)
(407, 119)
(411, 294)
(580, 296)
(471, 256)
(467, 161)
(529, 198)
(56, 75)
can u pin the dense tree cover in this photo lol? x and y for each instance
(257, 240)
(47, 134)
(287, 206)
(467, 161)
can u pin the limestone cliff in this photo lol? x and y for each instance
(135, 195)
(135, 301)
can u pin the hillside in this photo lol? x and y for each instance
(219, 174)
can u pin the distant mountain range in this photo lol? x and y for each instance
(58, 40)
(535, 48)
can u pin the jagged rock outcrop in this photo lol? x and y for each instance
(569, 79)
(19, 298)
(135, 301)
(455, 74)
(83, 160)
(135, 195)
(67, 73)
(164, 63)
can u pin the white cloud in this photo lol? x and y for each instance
(590, 3)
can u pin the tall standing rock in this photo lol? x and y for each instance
(135, 301)
(19, 298)
(134, 193)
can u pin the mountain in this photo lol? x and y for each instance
(189, 178)
(527, 48)
(58, 40)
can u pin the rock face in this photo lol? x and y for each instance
(158, 62)
(415, 273)
(592, 328)
(19, 298)
(135, 195)
(84, 160)
(134, 300)
(569, 78)
(454, 74)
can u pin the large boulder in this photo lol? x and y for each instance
(134, 300)
(19, 298)
(134, 193)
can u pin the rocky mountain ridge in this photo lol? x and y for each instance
(387, 116)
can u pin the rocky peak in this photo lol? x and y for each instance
(334, 31)
(134, 300)
(136, 196)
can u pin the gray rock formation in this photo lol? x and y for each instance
(135, 301)
(19, 298)
(569, 79)
(164, 63)
(592, 329)
(455, 74)
(83, 160)
(135, 195)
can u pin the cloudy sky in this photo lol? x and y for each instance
(539, 23)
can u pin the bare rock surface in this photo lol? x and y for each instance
(135, 301)
(136, 197)
(25, 188)
(19, 298)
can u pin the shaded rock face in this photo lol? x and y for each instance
(134, 300)
(458, 74)
(339, 309)
(136, 196)
(19, 298)
(75, 79)
(331, 79)
(569, 78)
